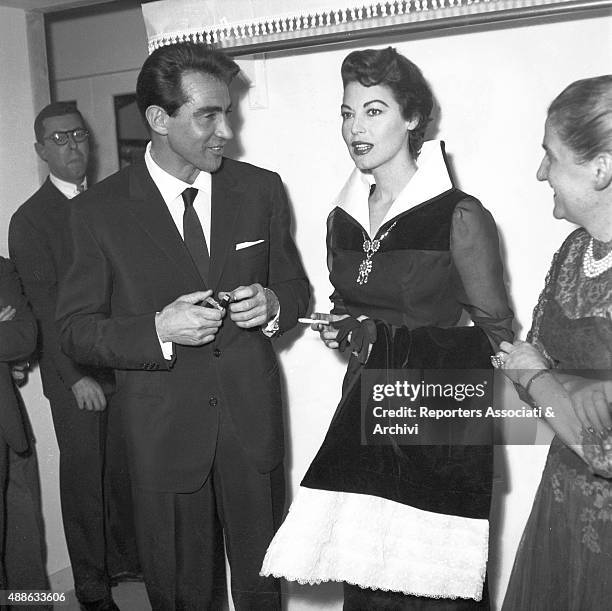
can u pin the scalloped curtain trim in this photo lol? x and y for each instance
(301, 21)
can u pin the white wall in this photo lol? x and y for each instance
(493, 88)
(23, 91)
(18, 167)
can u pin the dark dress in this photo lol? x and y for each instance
(403, 520)
(564, 560)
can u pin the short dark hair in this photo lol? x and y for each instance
(582, 116)
(160, 79)
(55, 109)
(405, 80)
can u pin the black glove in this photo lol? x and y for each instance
(358, 336)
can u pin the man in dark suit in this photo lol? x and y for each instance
(199, 386)
(22, 552)
(96, 507)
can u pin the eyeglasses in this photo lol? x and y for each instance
(80, 134)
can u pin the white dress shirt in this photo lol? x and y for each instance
(171, 189)
(69, 189)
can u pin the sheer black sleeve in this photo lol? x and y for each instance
(475, 252)
(338, 306)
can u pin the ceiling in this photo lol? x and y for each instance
(47, 6)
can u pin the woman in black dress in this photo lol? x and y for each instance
(403, 526)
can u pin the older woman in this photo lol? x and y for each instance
(403, 526)
(565, 556)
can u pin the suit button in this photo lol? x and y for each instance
(213, 401)
(217, 352)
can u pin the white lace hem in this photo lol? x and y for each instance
(380, 544)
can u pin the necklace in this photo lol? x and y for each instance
(370, 247)
(594, 267)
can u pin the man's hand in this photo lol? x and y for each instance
(19, 372)
(252, 306)
(184, 322)
(89, 395)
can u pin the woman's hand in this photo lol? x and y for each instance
(592, 401)
(520, 361)
(327, 333)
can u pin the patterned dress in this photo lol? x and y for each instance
(564, 560)
(400, 523)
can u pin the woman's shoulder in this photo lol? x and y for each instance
(471, 219)
(340, 217)
(569, 255)
(576, 240)
(470, 209)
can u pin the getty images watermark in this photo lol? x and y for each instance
(444, 407)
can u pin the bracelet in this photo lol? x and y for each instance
(534, 377)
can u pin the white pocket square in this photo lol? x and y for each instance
(247, 244)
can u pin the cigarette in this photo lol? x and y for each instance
(312, 321)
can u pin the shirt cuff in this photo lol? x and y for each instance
(166, 348)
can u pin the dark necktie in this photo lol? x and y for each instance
(194, 235)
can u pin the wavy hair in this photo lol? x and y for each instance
(160, 80)
(405, 80)
(582, 116)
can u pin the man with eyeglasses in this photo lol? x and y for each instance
(95, 493)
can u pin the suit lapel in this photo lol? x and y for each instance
(225, 207)
(150, 211)
(53, 197)
(56, 204)
(51, 192)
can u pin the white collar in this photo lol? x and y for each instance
(430, 179)
(169, 186)
(69, 189)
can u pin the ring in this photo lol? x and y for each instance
(497, 361)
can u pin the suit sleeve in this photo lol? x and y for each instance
(286, 275)
(90, 331)
(17, 336)
(34, 261)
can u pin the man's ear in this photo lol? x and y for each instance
(40, 150)
(157, 118)
(602, 165)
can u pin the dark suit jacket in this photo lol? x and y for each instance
(17, 342)
(39, 245)
(130, 262)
